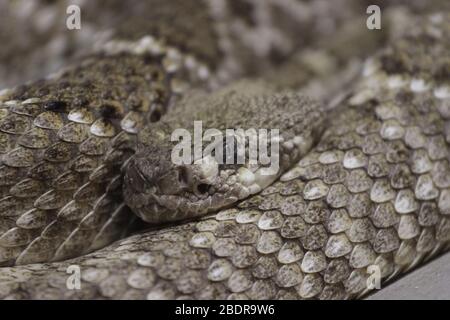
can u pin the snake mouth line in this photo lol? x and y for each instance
(193, 190)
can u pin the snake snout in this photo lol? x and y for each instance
(238, 159)
(159, 191)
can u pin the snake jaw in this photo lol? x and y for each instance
(160, 191)
(187, 191)
(201, 191)
(168, 192)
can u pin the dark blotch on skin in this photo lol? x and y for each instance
(55, 105)
(109, 111)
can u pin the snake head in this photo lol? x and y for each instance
(160, 191)
(159, 187)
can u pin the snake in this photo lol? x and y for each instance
(87, 177)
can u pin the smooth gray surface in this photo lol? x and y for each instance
(430, 282)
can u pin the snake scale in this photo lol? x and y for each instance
(370, 187)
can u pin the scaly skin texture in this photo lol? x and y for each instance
(160, 189)
(61, 155)
(64, 138)
(35, 39)
(374, 191)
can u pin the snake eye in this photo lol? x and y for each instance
(155, 115)
(202, 188)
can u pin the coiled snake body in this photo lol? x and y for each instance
(369, 187)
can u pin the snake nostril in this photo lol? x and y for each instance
(203, 188)
(155, 116)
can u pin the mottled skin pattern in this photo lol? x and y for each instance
(159, 190)
(45, 44)
(62, 152)
(375, 190)
(64, 138)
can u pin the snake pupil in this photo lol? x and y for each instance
(203, 188)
